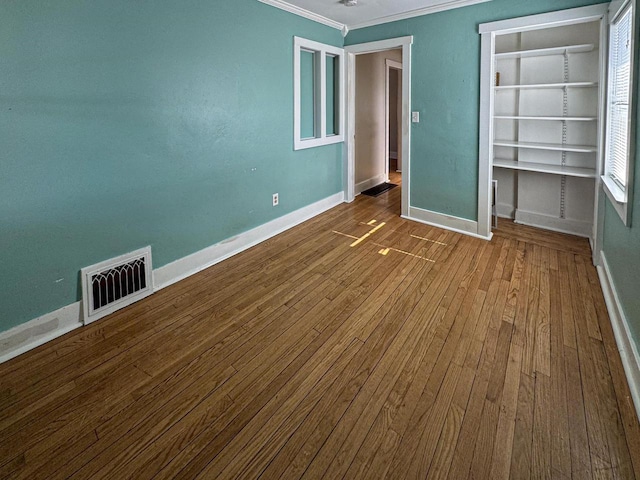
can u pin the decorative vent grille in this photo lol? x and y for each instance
(116, 283)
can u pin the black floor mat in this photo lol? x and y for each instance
(379, 189)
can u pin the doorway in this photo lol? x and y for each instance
(351, 187)
(376, 119)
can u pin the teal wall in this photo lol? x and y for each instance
(622, 250)
(131, 123)
(621, 243)
(446, 91)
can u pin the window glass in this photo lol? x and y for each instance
(307, 94)
(333, 68)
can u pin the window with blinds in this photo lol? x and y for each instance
(617, 159)
(618, 168)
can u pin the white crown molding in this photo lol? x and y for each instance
(287, 7)
(450, 5)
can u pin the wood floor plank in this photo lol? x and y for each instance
(579, 439)
(523, 430)
(526, 333)
(503, 445)
(415, 353)
(560, 443)
(598, 442)
(541, 447)
(542, 346)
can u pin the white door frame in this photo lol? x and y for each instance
(389, 65)
(488, 32)
(350, 163)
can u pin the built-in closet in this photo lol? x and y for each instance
(545, 135)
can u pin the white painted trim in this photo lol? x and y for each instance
(379, 45)
(388, 65)
(450, 5)
(349, 150)
(447, 222)
(301, 12)
(485, 159)
(599, 197)
(372, 47)
(320, 94)
(615, 7)
(626, 346)
(40, 330)
(617, 198)
(555, 224)
(505, 210)
(198, 261)
(546, 20)
(371, 182)
(51, 325)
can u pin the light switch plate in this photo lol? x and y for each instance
(415, 117)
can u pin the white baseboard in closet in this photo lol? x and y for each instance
(562, 225)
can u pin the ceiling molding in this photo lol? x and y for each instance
(416, 13)
(282, 5)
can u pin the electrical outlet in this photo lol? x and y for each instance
(275, 199)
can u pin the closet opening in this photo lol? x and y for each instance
(543, 91)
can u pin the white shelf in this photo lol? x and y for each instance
(545, 168)
(548, 118)
(546, 146)
(544, 52)
(540, 86)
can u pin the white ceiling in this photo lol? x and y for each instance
(366, 12)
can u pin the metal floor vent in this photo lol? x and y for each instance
(116, 283)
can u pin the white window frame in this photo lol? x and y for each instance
(621, 199)
(320, 98)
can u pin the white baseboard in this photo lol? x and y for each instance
(626, 346)
(505, 210)
(448, 222)
(562, 225)
(40, 330)
(371, 182)
(198, 261)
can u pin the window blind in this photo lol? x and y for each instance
(619, 99)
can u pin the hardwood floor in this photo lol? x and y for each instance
(356, 345)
